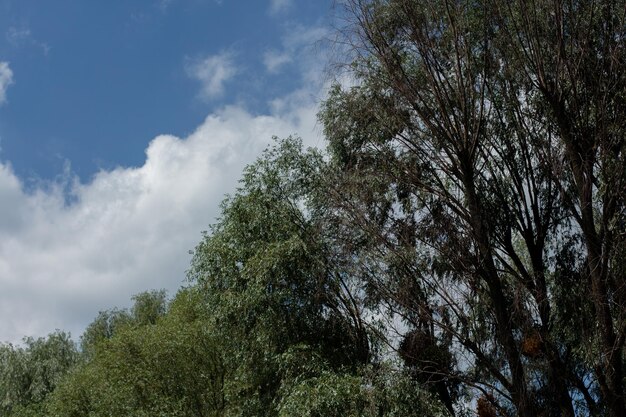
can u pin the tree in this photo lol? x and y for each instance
(481, 157)
(278, 301)
(30, 373)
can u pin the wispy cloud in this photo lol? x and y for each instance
(274, 60)
(301, 45)
(19, 36)
(213, 72)
(6, 79)
(164, 5)
(279, 6)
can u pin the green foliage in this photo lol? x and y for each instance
(372, 393)
(265, 272)
(104, 326)
(169, 368)
(28, 374)
(148, 306)
(329, 394)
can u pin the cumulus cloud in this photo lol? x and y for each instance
(213, 72)
(6, 79)
(128, 229)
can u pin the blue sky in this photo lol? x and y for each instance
(95, 81)
(122, 125)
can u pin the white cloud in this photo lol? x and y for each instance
(212, 72)
(6, 79)
(279, 6)
(128, 229)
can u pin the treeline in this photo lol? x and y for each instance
(458, 249)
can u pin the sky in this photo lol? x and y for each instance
(123, 125)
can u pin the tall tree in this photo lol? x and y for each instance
(481, 154)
